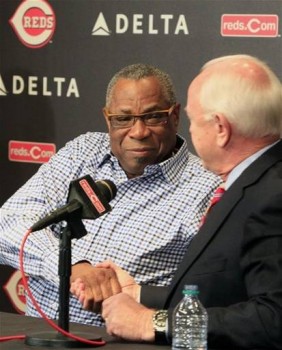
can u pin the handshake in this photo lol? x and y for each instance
(111, 291)
(94, 284)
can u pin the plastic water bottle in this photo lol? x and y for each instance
(190, 322)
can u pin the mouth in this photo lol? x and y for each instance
(141, 151)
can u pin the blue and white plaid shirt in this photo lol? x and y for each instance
(153, 219)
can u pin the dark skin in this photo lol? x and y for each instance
(140, 145)
(135, 147)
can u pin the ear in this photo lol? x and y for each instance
(175, 113)
(223, 130)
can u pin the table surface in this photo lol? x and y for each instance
(12, 324)
(15, 324)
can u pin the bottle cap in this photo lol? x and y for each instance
(190, 289)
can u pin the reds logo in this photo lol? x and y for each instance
(249, 25)
(34, 23)
(30, 152)
(15, 292)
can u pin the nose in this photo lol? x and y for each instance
(139, 130)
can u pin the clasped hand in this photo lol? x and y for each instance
(109, 286)
(93, 284)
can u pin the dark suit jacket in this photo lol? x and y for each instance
(236, 260)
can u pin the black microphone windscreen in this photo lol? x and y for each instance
(86, 200)
(94, 196)
(108, 188)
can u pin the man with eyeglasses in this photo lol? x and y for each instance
(162, 193)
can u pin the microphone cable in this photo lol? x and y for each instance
(95, 343)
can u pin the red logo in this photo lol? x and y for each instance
(34, 23)
(15, 291)
(92, 196)
(249, 25)
(31, 152)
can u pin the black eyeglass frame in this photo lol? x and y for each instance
(145, 117)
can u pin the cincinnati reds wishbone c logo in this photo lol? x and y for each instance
(34, 23)
(15, 291)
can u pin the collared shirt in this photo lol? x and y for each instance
(152, 221)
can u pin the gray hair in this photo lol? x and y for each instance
(252, 102)
(139, 71)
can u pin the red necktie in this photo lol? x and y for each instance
(216, 198)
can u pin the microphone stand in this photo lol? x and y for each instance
(73, 229)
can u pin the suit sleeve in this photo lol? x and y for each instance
(153, 297)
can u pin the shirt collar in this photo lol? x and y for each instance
(173, 167)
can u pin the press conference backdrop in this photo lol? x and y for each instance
(57, 56)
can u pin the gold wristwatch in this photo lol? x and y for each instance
(160, 319)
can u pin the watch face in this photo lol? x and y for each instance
(159, 320)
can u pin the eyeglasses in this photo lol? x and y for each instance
(128, 120)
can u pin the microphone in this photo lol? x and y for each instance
(86, 200)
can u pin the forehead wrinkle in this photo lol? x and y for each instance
(139, 96)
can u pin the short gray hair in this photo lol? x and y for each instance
(251, 102)
(139, 71)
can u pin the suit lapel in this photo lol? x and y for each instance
(219, 213)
